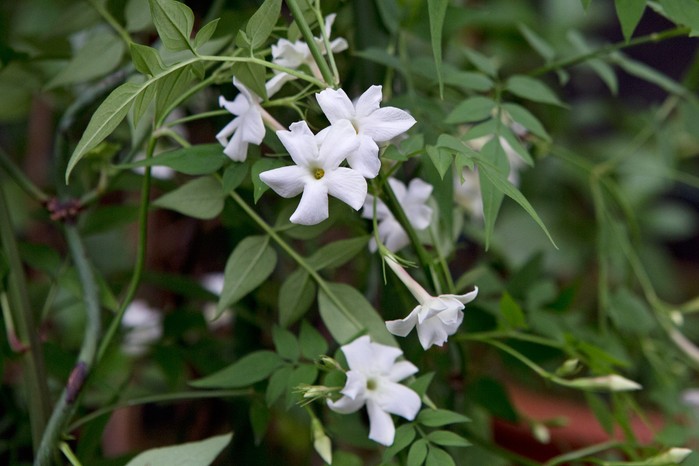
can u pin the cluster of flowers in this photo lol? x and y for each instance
(356, 131)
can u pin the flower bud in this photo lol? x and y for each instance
(672, 456)
(613, 382)
(321, 442)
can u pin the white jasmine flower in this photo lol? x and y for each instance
(413, 200)
(372, 381)
(143, 325)
(295, 54)
(435, 317)
(317, 172)
(373, 125)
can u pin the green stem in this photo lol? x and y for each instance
(68, 453)
(479, 336)
(66, 404)
(609, 48)
(297, 13)
(23, 321)
(582, 453)
(257, 61)
(322, 284)
(326, 42)
(123, 33)
(158, 399)
(21, 179)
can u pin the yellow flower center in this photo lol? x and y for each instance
(318, 173)
(371, 384)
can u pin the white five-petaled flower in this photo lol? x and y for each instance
(317, 172)
(295, 54)
(373, 124)
(436, 318)
(413, 200)
(143, 326)
(373, 381)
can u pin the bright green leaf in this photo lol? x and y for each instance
(201, 453)
(246, 371)
(630, 313)
(532, 89)
(250, 263)
(447, 439)
(195, 160)
(199, 198)
(286, 344)
(438, 457)
(417, 453)
(470, 80)
(174, 21)
(337, 253)
(261, 23)
(295, 297)
(629, 13)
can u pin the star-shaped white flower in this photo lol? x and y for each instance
(413, 200)
(373, 381)
(317, 172)
(373, 124)
(143, 325)
(436, 318)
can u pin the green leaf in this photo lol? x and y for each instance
(286, 344)
(146, 59)
(437, 10)
(259, 419)
(250, 263)
(483, 63)
(525, 118)
(174, 21)
(542, 47)
(305, 374)
(313, 344)
(261, 23)
(491, 196)
(205, 33)
(470, 80)
(170, 89)
(277, 384)
(252, 75)
(137, 15)
(335, 254)
(295, 297)
(404, 436)
(195, 160)
(532, 89)
(472, 109)
(100, 55)
(420, 384)
(234, 174)
(629, 13)
(105, 120)
(447, 439)
(685, 12)
(199, 198)
(417, 453)
(630, 313)
(512, 313)
(246, 371)
(438, 457)
(259, 187)
(441, 159)
(141, 105)
(440, 417)
(602, 69)
(347, 314)
(201, 453)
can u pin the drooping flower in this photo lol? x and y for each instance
(373, 124)
(436, 318)
(143, 325)
(373, 381)
(413, 200)
(317, 172)
(296, 54)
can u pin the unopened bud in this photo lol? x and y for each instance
(321, 442)
(613, 382)
(327, 363)
(677, 318)
(672, 456)
(571, 366)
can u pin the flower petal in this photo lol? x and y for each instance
(381, 428)
(346, 405)
(335, 104)
(397, 399)
(355, 386)
(358, 352)
(252, 128)
(300, 143)
(398, 188)
(419, 190)
(286, 181)
(403, 327)
(226, 132)
(348, 186)
(365, 159)
(384, 357)
(336, 144)
(313, 207)
(464, 298)
(368, 103)
(386, 123)
(237, 147)
(432, 332)
(276, 82)
(401, 370)
(392, 234)
(237, 106)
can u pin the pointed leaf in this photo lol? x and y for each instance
(248, 370)
(437, 10)
(295, 297)
(200, 198)
(629, 13)
(233, 175)
(525, 118)
(205, 33)
(252, 75)
(195, 160)
(286, 344)
(438, 457)
(146, 59)
(472, 109)
(174, 21)
(441, 159)
(250, 263)
(170, 90)
(337, 253)
(447, 439)
(538, 43)
(261, 23)
(440, 417)
(685, 12)
(201, 453)
(313, 344)
(532, 89)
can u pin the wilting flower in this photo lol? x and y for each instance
(435, 317)
(295, 54)
(372, 381)
(317, 172)
(413, 200)
(373, 125)
(143, 326)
